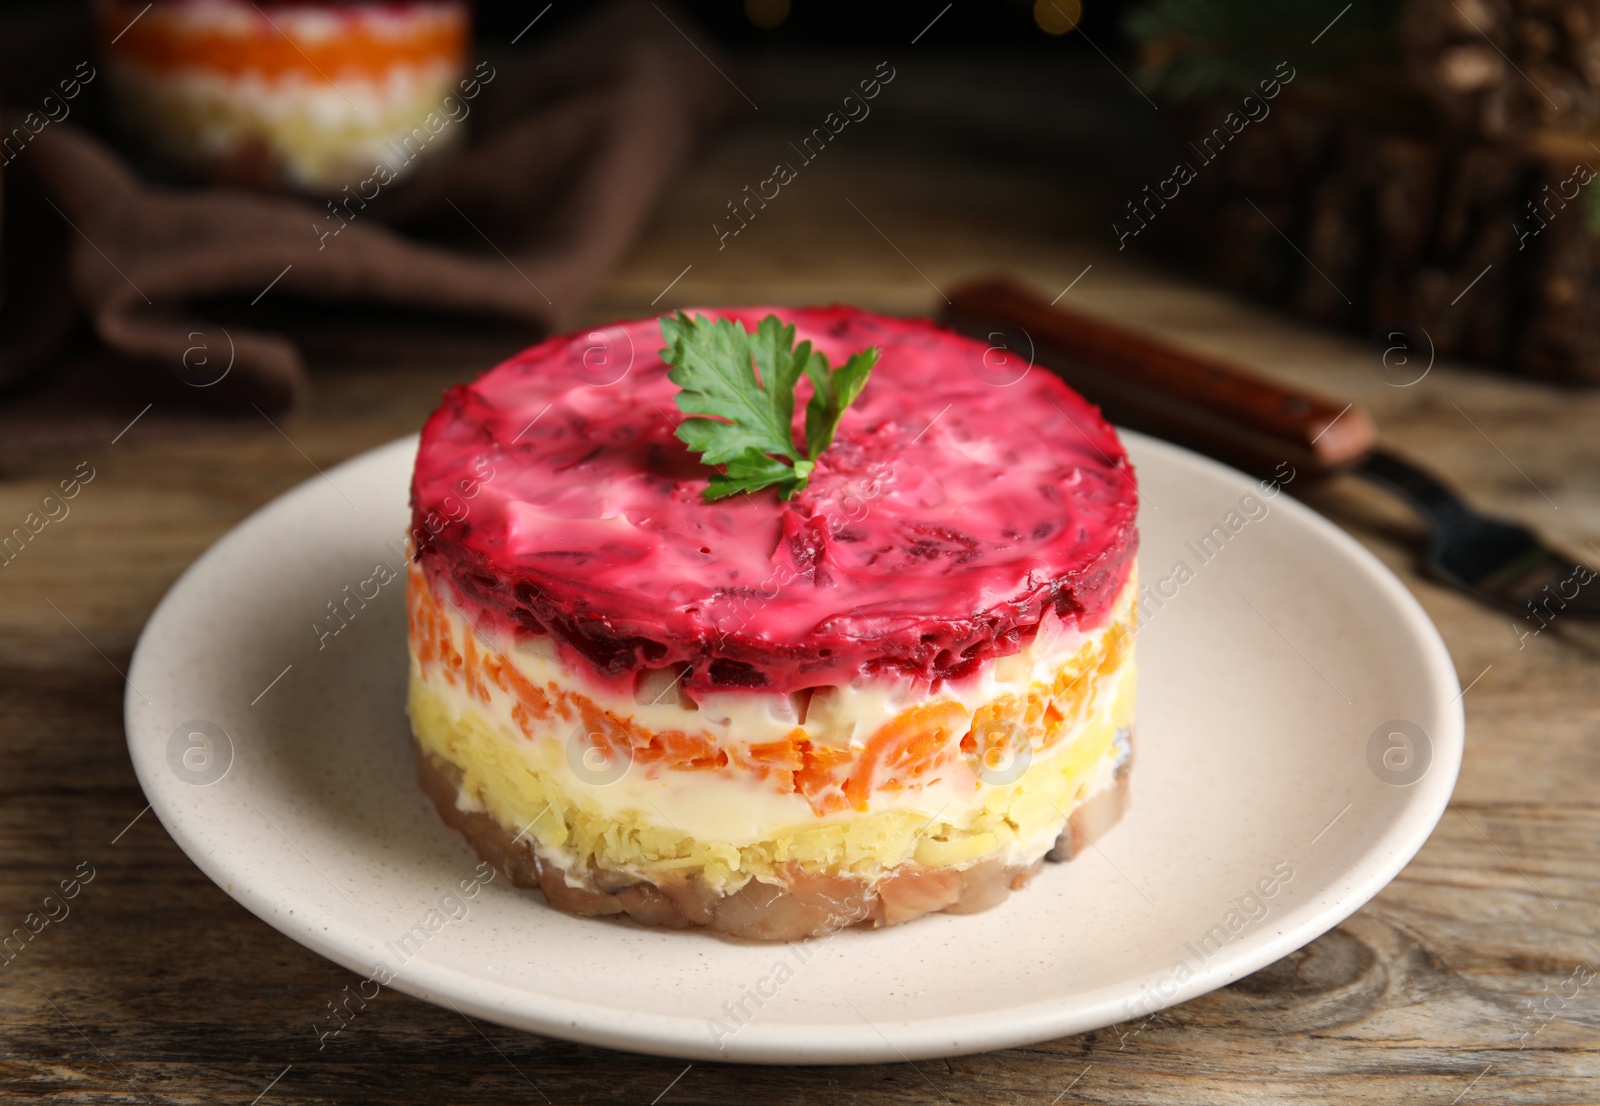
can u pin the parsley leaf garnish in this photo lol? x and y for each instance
(738, 391)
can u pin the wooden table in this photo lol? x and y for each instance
(1454, 985)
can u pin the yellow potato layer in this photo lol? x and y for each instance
(502, 773)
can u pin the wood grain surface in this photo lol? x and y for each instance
(1470, 979)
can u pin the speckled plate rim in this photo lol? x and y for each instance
(592, 1022)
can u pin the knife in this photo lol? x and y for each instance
(1256, 424)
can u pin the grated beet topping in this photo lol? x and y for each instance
(947, 517)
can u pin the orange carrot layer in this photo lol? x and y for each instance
(910, 750)
(168, 39)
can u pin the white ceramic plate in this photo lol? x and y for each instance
(1279, 681)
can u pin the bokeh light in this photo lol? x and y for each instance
(766, 13)
(1056, 17)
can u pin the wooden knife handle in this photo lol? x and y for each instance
(1145, 384)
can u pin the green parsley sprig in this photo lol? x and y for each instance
(738, 390)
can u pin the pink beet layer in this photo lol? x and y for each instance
(964, 495)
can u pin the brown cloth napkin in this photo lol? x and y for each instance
(572, 145)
